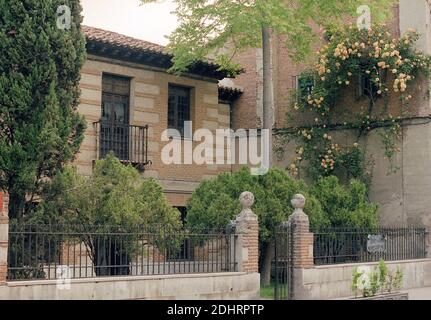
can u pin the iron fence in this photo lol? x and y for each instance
(129, 143)
(56, 252)
(335, 246)
(282, 264)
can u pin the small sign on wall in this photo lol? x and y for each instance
(376, 243)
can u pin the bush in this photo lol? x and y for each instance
(214, 203)
(114, 195)
(345, 207)
(114, 200)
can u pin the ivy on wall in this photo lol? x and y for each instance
(370, 64)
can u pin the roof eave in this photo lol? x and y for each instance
(150, 58)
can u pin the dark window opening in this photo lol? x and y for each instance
(178, 107)
(367, 87)
(185, 251)
(304, 85)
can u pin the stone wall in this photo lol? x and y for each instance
(402, 195)
(230, 286)
(206, 280)
(334, 281)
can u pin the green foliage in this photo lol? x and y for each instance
(328, 204)
(374, 285)
(221, 28)
(379, 279)
(214, 203)
(355, 281)
(113, 195)
(345, 206)
(383, 274)
(113, 202)
(39, 91)
(398, 279)
(387, 67)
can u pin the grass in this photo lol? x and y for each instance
(267, 292)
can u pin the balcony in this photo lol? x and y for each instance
(129, 143)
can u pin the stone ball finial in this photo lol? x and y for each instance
(298, 201)
(246, 199)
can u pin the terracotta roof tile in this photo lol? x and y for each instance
(113, 38)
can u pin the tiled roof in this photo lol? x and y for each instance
(229, 93)
(116, 39)
(117, 46)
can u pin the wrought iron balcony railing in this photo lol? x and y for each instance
(129, 143)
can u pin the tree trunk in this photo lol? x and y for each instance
(267, 256)
(268, 97)
(110, 258)
(16, 205)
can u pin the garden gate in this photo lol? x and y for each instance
(283, 263)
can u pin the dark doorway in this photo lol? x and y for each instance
(186, 250)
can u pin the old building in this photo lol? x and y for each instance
(129, 99)
(403, 196)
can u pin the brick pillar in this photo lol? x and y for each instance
(4, 233)
(302, 255)
(302, 237)
(247, 243)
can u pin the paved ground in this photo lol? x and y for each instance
(420, 294)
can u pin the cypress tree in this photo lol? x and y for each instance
(40, 63)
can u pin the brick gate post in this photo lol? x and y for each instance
(247, 243)
(4, 233)
(303, 241)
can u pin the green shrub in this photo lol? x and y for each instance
(345, 206)
(113, 195)
(328, 204)
(114, 203)
(214, 203)
(379, 279)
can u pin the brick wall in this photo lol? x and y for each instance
(284, 69)
(149, 105)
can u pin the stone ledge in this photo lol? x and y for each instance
(125, 278)
(330, 266)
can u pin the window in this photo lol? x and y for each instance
(367, 87)
(304, 85)
(178, 107)
(115, 99)
(114, 126)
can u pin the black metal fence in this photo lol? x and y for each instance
(335, 246)
(56, 252)
(282, 264)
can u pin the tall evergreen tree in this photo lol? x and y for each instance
(41, 56)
